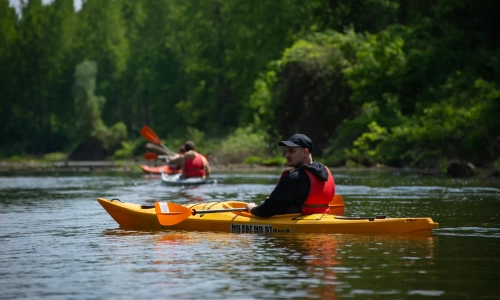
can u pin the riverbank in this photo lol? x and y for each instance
(134, 166)
(107, 166)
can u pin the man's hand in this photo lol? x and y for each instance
(250, 206)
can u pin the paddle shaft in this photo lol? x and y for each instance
(216, 210)
(151, 155)
(166, 148)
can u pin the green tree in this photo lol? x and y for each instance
(88, 109)
(222, 46)
(150, 87)
(36, 90)
(9, 77)
(102, 38)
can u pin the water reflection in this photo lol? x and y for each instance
(173, 238)
(322, 265)
(122, 232)
(152, 177)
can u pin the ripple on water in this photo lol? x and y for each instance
(470, 231)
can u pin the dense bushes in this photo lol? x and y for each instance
(374, 98)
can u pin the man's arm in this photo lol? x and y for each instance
(176, 159)
(292, 190)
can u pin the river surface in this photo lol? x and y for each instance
(57, 242)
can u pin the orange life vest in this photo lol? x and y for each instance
(194, 167)
(320, 194)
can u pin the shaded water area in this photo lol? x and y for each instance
(57, 242)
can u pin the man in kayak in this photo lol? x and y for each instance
(191, 162)
(306, 189)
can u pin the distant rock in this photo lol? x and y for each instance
(458, 168)
(90, 149)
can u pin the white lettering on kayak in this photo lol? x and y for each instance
(244, 228)
(164, 207)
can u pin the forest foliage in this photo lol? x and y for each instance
(394, 82)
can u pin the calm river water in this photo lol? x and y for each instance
(57, 242)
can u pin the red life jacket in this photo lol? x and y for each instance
(194, 167)
(320, 194)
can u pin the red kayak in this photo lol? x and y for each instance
(166, 169)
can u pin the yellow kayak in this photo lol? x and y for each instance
(138, 217)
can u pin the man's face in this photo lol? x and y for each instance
(295, 156)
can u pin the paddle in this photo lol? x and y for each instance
(151, 136)
(337, 205)
(151, 155)
(169, 214)
(150, 147)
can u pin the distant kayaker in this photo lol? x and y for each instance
(306, 189)
(182, 150)
(191, 162)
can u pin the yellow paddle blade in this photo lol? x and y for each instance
(337, 205)
(169, 214)
(150, 135)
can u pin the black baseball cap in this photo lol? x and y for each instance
(298, 140)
